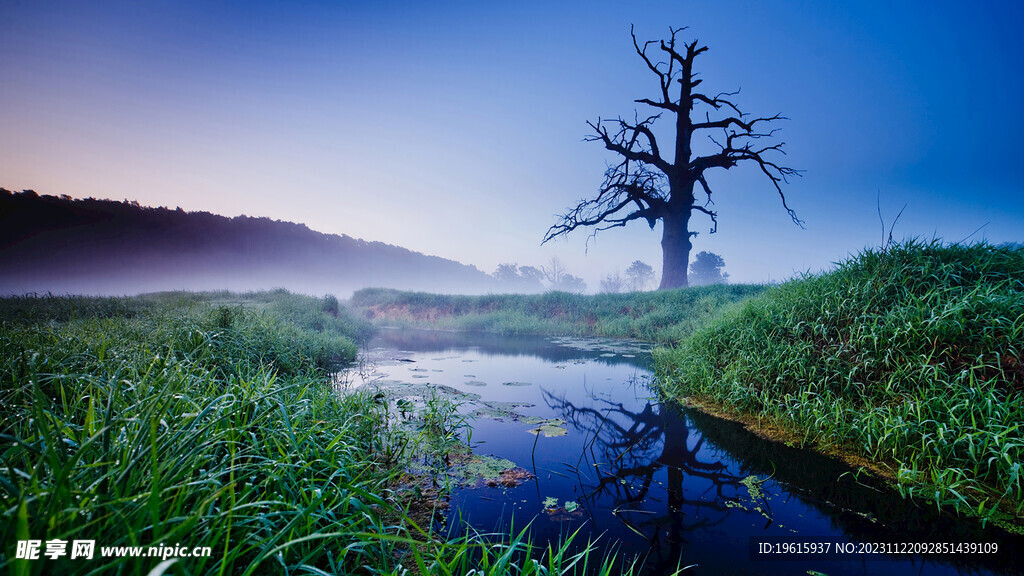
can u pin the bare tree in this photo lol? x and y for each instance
(558, 277)
(554, 271)
(649, 184)
(613, 283)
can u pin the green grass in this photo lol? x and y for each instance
(664, 316)
(209, 420)
(909, 356)
(157, 420)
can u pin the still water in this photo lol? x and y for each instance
(668, 485)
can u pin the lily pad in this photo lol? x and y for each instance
(479, 468)
(551, 502)
(550, 428)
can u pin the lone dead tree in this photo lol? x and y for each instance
(647, 184)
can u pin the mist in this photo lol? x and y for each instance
(60, 245)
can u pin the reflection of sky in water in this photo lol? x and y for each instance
(661, 482)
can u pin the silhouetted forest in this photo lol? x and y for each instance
(64, 245)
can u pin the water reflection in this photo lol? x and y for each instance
(669, 485)
(626, 450)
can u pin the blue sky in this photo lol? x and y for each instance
(456, 128)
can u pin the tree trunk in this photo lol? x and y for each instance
(675, 250)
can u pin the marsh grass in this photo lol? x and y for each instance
(910, 356)
(664, 316)
(515, 554)
(210, 420)
(133, 423)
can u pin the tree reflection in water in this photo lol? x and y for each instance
(624, 452)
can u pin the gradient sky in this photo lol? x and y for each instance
(456, 128)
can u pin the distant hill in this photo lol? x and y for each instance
(63, 245)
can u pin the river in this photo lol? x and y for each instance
(667, 485)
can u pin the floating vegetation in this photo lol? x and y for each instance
(568, 511)
(510, 478)
(550, 428)
(500, 410)
(475, 383)
(608, 347)
(474, 469)
(516, 383)
(758, 499)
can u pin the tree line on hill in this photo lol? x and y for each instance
(87, 246)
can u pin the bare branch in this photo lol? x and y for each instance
(664, 78)
(717, 102)
(627, 194)
(625, 141)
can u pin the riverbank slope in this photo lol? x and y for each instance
(909, 356)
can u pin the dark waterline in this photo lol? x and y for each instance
(670, 486)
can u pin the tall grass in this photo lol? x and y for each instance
(208, 420)
(516, 554)
(910, 356)
(204, 428)
(664, 316)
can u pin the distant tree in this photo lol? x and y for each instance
(707, 269)
(519, 278)
(558, 277)
(639, 274)
(653, 183)
(531, 276)
(613, 283)
(507, 273)
(554, 271)
(570, 283)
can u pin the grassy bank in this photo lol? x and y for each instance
(664, 316)
(209, 420)
(167, 420)
(909, 356)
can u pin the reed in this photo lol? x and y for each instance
(210, 420)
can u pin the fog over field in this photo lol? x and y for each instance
(50, 244)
